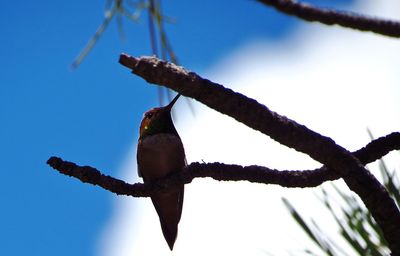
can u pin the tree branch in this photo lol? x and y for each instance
(226, 172)
(283, 130)
(331, 17)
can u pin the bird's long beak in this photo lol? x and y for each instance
(171, 104)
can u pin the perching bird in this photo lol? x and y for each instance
(160, 153)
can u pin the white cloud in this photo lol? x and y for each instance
(336, 81)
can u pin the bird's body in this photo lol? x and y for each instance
(160, 153)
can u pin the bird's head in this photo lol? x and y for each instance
(158, 120)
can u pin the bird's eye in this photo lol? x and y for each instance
(149, 115)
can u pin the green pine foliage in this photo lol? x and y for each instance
(356, 226)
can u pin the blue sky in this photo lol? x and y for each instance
(90, 115)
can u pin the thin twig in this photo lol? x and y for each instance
(227, 172)
(332, 17)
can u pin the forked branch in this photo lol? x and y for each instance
(285, 131)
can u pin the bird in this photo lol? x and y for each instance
(160, 153)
